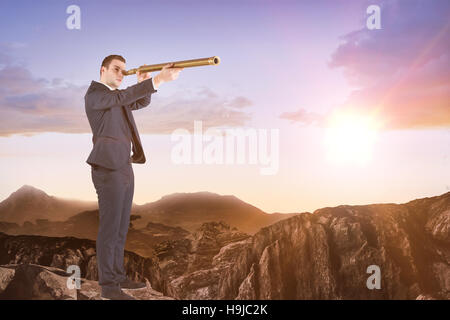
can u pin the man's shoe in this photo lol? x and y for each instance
(116, 295)
(128, 284)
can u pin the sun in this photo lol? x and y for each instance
(349, 138)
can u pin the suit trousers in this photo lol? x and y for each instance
(115, 189)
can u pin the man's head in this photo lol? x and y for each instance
(111, 70)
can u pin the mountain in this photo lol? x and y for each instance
(323, 255)
(186, 210)
(29, 203)
(190, 210)
(328, 254)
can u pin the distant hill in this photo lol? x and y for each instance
(29, 203)
(186, 210)
(190, 210)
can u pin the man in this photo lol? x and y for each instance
(109, 111)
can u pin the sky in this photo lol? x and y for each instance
(362, 115)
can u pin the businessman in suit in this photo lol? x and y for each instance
(109, 111)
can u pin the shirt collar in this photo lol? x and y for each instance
(105, 85)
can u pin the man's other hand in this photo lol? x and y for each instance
(141, 76)
(168, 73)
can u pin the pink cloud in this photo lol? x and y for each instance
(402, 69)
(30, 105)
(303, 117)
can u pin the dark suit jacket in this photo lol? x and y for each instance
(111, 132)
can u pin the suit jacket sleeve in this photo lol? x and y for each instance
(142, 103)
(105, 99)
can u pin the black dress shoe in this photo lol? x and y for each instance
(116, 295)
(128, 284)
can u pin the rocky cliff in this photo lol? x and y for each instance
(323, 255)
(320, 255)
(60, 253)
(36, 282)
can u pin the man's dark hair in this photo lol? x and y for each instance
(107, 61)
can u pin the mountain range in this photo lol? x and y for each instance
(29, 205)
(326, 254)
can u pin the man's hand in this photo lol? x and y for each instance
(167, 74)
(143, 76)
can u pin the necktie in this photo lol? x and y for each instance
(138, 153)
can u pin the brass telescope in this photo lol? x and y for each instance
(177, 64)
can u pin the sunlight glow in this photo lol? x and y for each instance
(349, 139)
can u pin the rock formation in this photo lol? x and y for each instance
(36, 282)
(324, 255)
(62, 252)
(320, 255)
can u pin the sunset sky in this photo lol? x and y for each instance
(363, 115)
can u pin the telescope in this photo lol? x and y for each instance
(215, 60)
